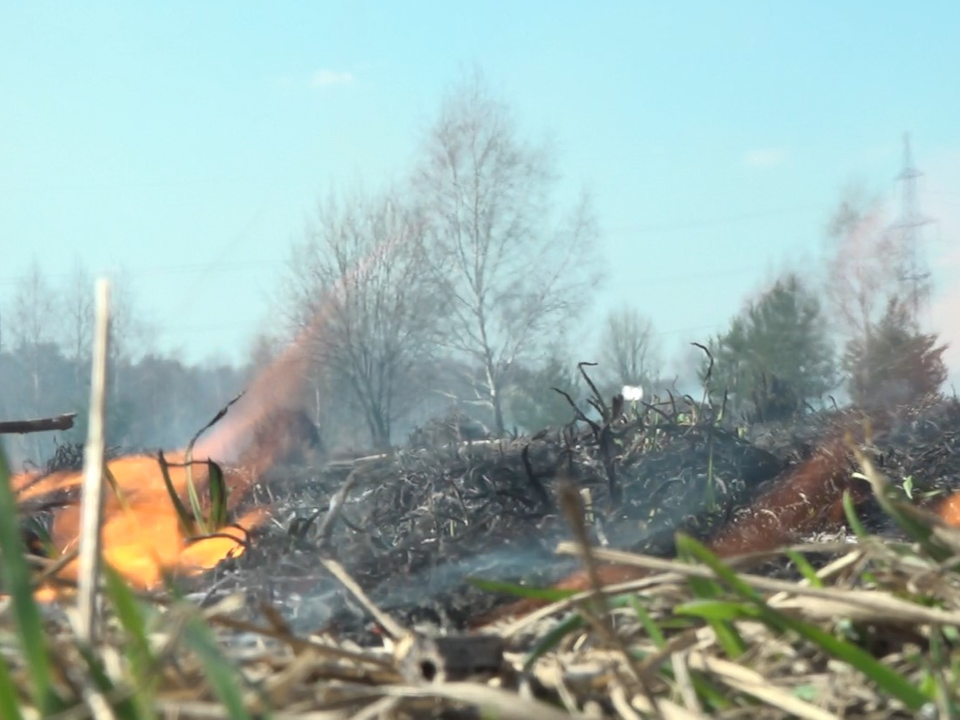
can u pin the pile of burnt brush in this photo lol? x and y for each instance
(413, 526)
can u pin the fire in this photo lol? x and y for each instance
(143, 537)
(949, 510)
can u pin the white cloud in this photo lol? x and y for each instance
(765, 157)
(328, 78)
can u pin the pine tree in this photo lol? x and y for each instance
(779, 345)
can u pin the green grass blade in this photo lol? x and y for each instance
(714, 697)
(653, 630)
(16, 580)
(200, 522)
(720, 616)
(186, 521)
(545, 594)
(913, 521)
(97, 674)
(220, 673)
(576, 621)
(703, 588)
(717, 610)
(142, 659)
(552, 638)
(9, 707)
(217, 487)
(850, 510)
(805, 568)
(885, 678)
(130, 617)
(728, 637)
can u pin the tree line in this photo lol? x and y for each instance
(459, 288)
(155, 400)
(463, 281)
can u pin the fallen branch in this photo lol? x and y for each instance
(60, 422)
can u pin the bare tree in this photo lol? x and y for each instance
(130, 331)
(77, 314)
(34, 315)
(362, 273)
(629, 350)
(33, 328)
(508, 269)
(33, 323)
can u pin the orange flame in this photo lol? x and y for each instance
(142, 534)
(143, 538)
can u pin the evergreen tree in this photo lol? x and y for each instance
(894, 363)
(779, 345)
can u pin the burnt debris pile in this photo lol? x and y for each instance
(413, 525)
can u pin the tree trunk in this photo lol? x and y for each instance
(498, 416)
(496, 401)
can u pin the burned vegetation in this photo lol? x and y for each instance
(426, 567)
(415, 525)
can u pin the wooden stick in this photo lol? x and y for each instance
(91, 509)
(60, 422)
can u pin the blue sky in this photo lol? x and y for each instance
(184, 144)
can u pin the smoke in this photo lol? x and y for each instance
(940, 202)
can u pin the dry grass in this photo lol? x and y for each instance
(871, 634)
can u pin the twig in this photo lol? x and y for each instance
(605, 445)
(216, 418)
(535, 483)
(578, 411)
(572, 507)
(594, 606)
(604, 411)
(707, 376)
(394, 629)
(91, 508)
(188, 462)
(60, 422)
(325, 531)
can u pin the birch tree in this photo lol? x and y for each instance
(509, 265)
(629, 351)
(358, 287)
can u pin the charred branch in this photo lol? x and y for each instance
(22, 427)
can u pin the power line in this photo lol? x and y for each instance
(711, 222)
(696, 329)
(212, 267)
(215, 267)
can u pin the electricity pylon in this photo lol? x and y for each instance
(913, 270)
